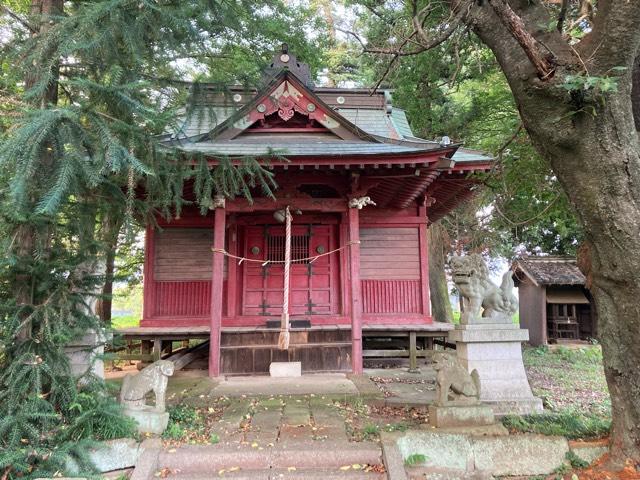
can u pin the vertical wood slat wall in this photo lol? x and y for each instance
(390, 270)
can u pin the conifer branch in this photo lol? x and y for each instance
(19, 19)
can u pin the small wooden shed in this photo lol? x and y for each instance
(554, 304)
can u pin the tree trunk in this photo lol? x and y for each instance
(591, 142)
(26, 235)
(439, 246)
(601, 175)
(111, 225)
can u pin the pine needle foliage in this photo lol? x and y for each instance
(90, 91)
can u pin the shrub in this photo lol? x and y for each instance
(569, 424)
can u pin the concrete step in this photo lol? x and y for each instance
(205, 459)
(276, 474)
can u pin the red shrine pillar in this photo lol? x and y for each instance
(216, 287)
(424, 254)
(356, 290)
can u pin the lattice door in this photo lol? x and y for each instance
(311, 290)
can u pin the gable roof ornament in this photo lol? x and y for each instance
(284, 60)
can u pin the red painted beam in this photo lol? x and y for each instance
(304, 204)
(216, 293)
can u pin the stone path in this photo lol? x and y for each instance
(272, 438)
(404, 388)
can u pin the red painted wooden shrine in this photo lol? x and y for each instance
(334, 147)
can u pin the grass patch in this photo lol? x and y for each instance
(569, 379)
(415, 459)
(194, 425)
(572, 425)
(127, 321)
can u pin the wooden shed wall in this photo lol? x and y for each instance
(533, 312)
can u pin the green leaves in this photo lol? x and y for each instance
(587, 82)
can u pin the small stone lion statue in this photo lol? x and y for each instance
(471, 276)
(152, 378)
(454, 385)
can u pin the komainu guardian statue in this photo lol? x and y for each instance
(480, 297)
(454, 385)
(154, 379)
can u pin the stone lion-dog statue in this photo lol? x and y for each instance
(454, 385)
(152, 378)
(471, 277)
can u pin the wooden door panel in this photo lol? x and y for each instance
(312, 283)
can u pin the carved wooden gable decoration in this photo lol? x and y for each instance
(287, 106)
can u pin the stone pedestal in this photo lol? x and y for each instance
(149, 420)
(460, 416)
(85, 354)
(495, 351)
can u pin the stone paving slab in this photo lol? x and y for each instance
(296, 414)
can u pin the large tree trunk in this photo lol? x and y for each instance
(592, 145)
(439, 246)
(26, 235)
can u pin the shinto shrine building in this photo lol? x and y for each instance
(362, 191)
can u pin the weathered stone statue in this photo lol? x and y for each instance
(488, 341)
(154, 378)
(457, 396)
(454, 385)
(471, 276)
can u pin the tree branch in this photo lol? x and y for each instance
(527, 42)
(19, 19)
(615, 37)
(563, 14)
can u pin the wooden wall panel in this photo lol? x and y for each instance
(391, 296)
(183, 254)
(390, 270)
(183, 299)
(389, 253)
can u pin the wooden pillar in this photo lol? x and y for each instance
(157, 349)
(356, 291)
(216, 287)
(424, 258)
(413, 353)
(148, 283)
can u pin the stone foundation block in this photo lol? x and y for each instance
(148, 419)
(460, 416)
(441, 450)
(285, 369)
(589, 451)
(520, 454)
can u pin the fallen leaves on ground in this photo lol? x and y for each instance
(601, 470)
